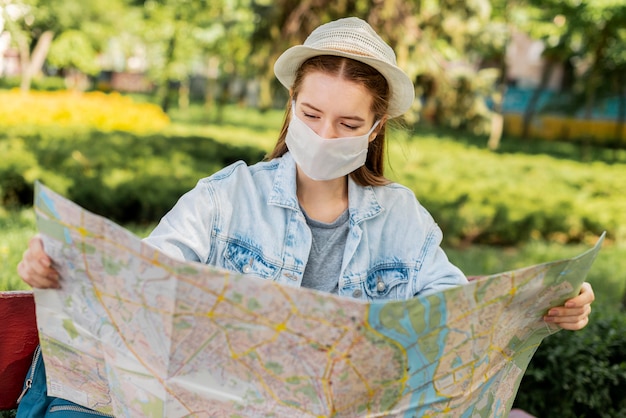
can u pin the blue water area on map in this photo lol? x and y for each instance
(49, 203)
(421, 370)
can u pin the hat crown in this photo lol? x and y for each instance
(352, 38)
(351, 35)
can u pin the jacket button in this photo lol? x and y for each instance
(381, 286)
(246, 268)
(357, 293)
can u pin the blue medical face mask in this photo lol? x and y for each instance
(325, 159)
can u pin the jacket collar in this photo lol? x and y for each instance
(363, 203)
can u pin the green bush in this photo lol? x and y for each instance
(119, 175)
(15, 169)
(579, 374)
(37, 84)
(483, 197)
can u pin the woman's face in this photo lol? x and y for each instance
(334, 107)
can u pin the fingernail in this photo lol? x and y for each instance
(570, 305)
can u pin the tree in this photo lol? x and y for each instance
(587, 35)
(18, 18)
(182, 34)
(72, 31)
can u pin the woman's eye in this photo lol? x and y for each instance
(352, 128)
(309, 116)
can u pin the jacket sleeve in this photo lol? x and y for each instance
(438, 273)
(184, 232)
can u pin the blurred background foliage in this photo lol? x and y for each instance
(123, 105)
(223, 50)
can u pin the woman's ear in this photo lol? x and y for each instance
(379, 128)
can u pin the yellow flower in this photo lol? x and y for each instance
(95, 110)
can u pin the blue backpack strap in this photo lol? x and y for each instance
(34, 401)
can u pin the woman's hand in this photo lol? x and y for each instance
(36, 267)
(574, 315)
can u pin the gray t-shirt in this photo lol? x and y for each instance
(324, 264)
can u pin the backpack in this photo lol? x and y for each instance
(34, 401)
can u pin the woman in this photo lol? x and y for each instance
(319, 212)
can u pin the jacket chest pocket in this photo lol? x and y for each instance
(245, 260)
(387, 283)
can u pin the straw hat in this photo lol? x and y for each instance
(352, 38)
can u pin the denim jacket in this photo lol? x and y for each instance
(247, 219)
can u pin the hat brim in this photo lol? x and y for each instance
(401, 88)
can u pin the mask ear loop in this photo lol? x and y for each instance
(372, 131)
(373, 127)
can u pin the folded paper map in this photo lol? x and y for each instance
(133, 332)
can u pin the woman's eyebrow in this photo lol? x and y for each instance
(354, 118)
